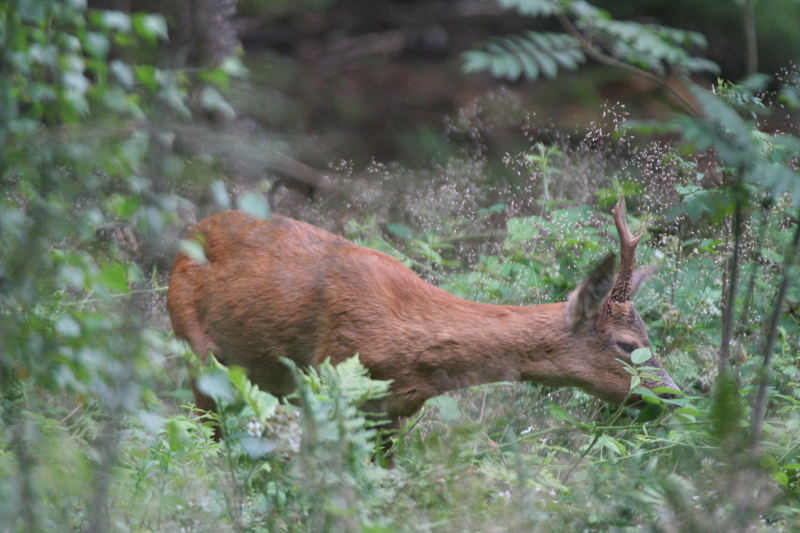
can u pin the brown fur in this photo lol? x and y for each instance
(286, 288)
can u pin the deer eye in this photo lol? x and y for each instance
(626, 347)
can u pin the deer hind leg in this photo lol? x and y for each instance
(188, 326)
(202, 346)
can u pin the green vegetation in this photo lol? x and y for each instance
(97, 431)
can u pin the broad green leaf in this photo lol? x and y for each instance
(150, 26)
(96, 44)
(123, 206)
(400, 230)
(220, 194)
(113, 277)
(73, 276)
(146, 74)
(68, 327)
(257, 447)
(254, 204)
(216, 385)
(115, 20)
(194, 250)
(123, 73)
(447, 406)
(179, 433)
(641, 355)
(559, 413)
(213, 101)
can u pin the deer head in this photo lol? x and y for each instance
(605, 326)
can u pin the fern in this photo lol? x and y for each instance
(533, 56)
(350, 379)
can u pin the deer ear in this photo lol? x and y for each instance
(585, 301)
(640, 276)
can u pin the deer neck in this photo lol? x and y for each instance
(481, 343)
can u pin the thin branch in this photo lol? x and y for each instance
(760, 408)
(597, 55)
(729, 310)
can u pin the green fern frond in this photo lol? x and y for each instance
(534, 55)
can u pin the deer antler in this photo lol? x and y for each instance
(621, 292)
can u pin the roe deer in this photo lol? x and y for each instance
(281, 287)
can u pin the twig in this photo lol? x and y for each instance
(576, 463)
(71, 414)
(115, 295)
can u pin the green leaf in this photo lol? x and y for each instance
(217, 77)
(220, 194)
(194, 250)
(257, 447)
(641, 355)
(73, 276)
(123, 207)
(447, 406)
(115, 20)
(114, 278)
(96, 44)
(68, 327)
(150, 26)
(776, 179)
(212, 101)
(179, 433)
(559, 413)
(400, 230)
(254, 204)
(146, 74)
(122, 73)
(216, 385)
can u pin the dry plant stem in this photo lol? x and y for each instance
(597, 55)
(759, 410)
(751, 283)
(730, 295)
